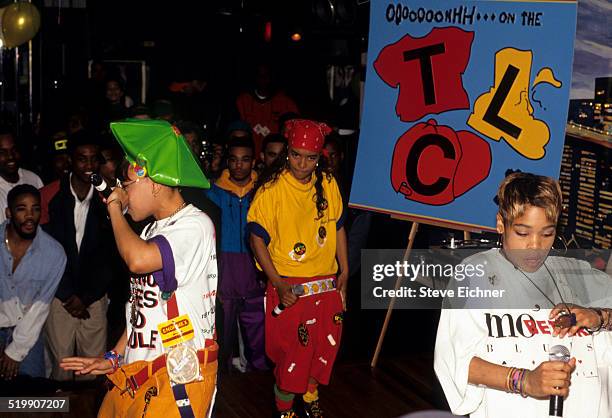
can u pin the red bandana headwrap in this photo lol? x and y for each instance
(306, 134)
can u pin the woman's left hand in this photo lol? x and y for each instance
(585, 318)
(118, 196)
(87, 365)
(341, 282)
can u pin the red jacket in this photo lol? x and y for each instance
(263, 115)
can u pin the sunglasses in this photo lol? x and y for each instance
(125, 184)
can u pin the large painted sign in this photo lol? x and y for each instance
(458, 93)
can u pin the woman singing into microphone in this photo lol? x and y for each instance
(165, 363)
(492, 359)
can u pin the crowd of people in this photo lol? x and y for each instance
(70, 273)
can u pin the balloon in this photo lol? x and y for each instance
(20, 22)
(1, 35)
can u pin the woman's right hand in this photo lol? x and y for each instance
(87, 365)
(286, 296)
(550, 378)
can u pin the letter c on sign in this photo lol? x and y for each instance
(412, 164)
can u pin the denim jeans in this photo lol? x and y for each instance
(33, 364)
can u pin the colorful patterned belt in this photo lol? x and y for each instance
(317, 286)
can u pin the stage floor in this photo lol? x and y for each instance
(396, 387)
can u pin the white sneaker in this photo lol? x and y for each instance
(239, 365)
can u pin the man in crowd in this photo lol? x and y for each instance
(60, 160)
(163, 110)
(193, 135)
(238, 129)
(31, 264)
(262, 106)
(11, 174)
(110, 158)
(140, 111)
(358, 221)
(196, 100)
(335, 156)
(240, 290)
(273, 146)
(74, 214)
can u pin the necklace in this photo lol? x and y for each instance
(181, 206)
(540, 290)
(8, 247)
(565, 319)
(133, 290)
(153, 227)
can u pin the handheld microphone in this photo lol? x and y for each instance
(297, 290)
(98, 182)
(557, 353)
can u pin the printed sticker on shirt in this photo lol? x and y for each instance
(303, 335)
(175, 331)
(324, 205)
(321, 236)
(298, 252)
(338, 318)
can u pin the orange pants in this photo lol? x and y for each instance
(117, 405)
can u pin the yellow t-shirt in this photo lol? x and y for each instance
(284, 215)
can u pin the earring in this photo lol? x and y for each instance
(561, 239)
(500, 241)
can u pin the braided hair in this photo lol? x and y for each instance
(272, 173)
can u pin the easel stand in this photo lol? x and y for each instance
(398, 281)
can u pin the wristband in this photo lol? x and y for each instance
(114, 358)
(523, 387)
(516, 381)
(601, 322)
(608, 325)
(509, 379)
(118, 202)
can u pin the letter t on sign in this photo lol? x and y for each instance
(424, 56)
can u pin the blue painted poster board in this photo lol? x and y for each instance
(458, 93)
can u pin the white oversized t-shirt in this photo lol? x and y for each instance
(521, 337)
(191, 238)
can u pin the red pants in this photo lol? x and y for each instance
(303, 340)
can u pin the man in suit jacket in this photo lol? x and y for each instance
(74, 214)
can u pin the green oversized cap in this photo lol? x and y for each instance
(159, 148)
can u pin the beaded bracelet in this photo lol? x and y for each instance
(514, 378)
(509, 379)
(115, 358)
(516, 381)
(523, 385)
